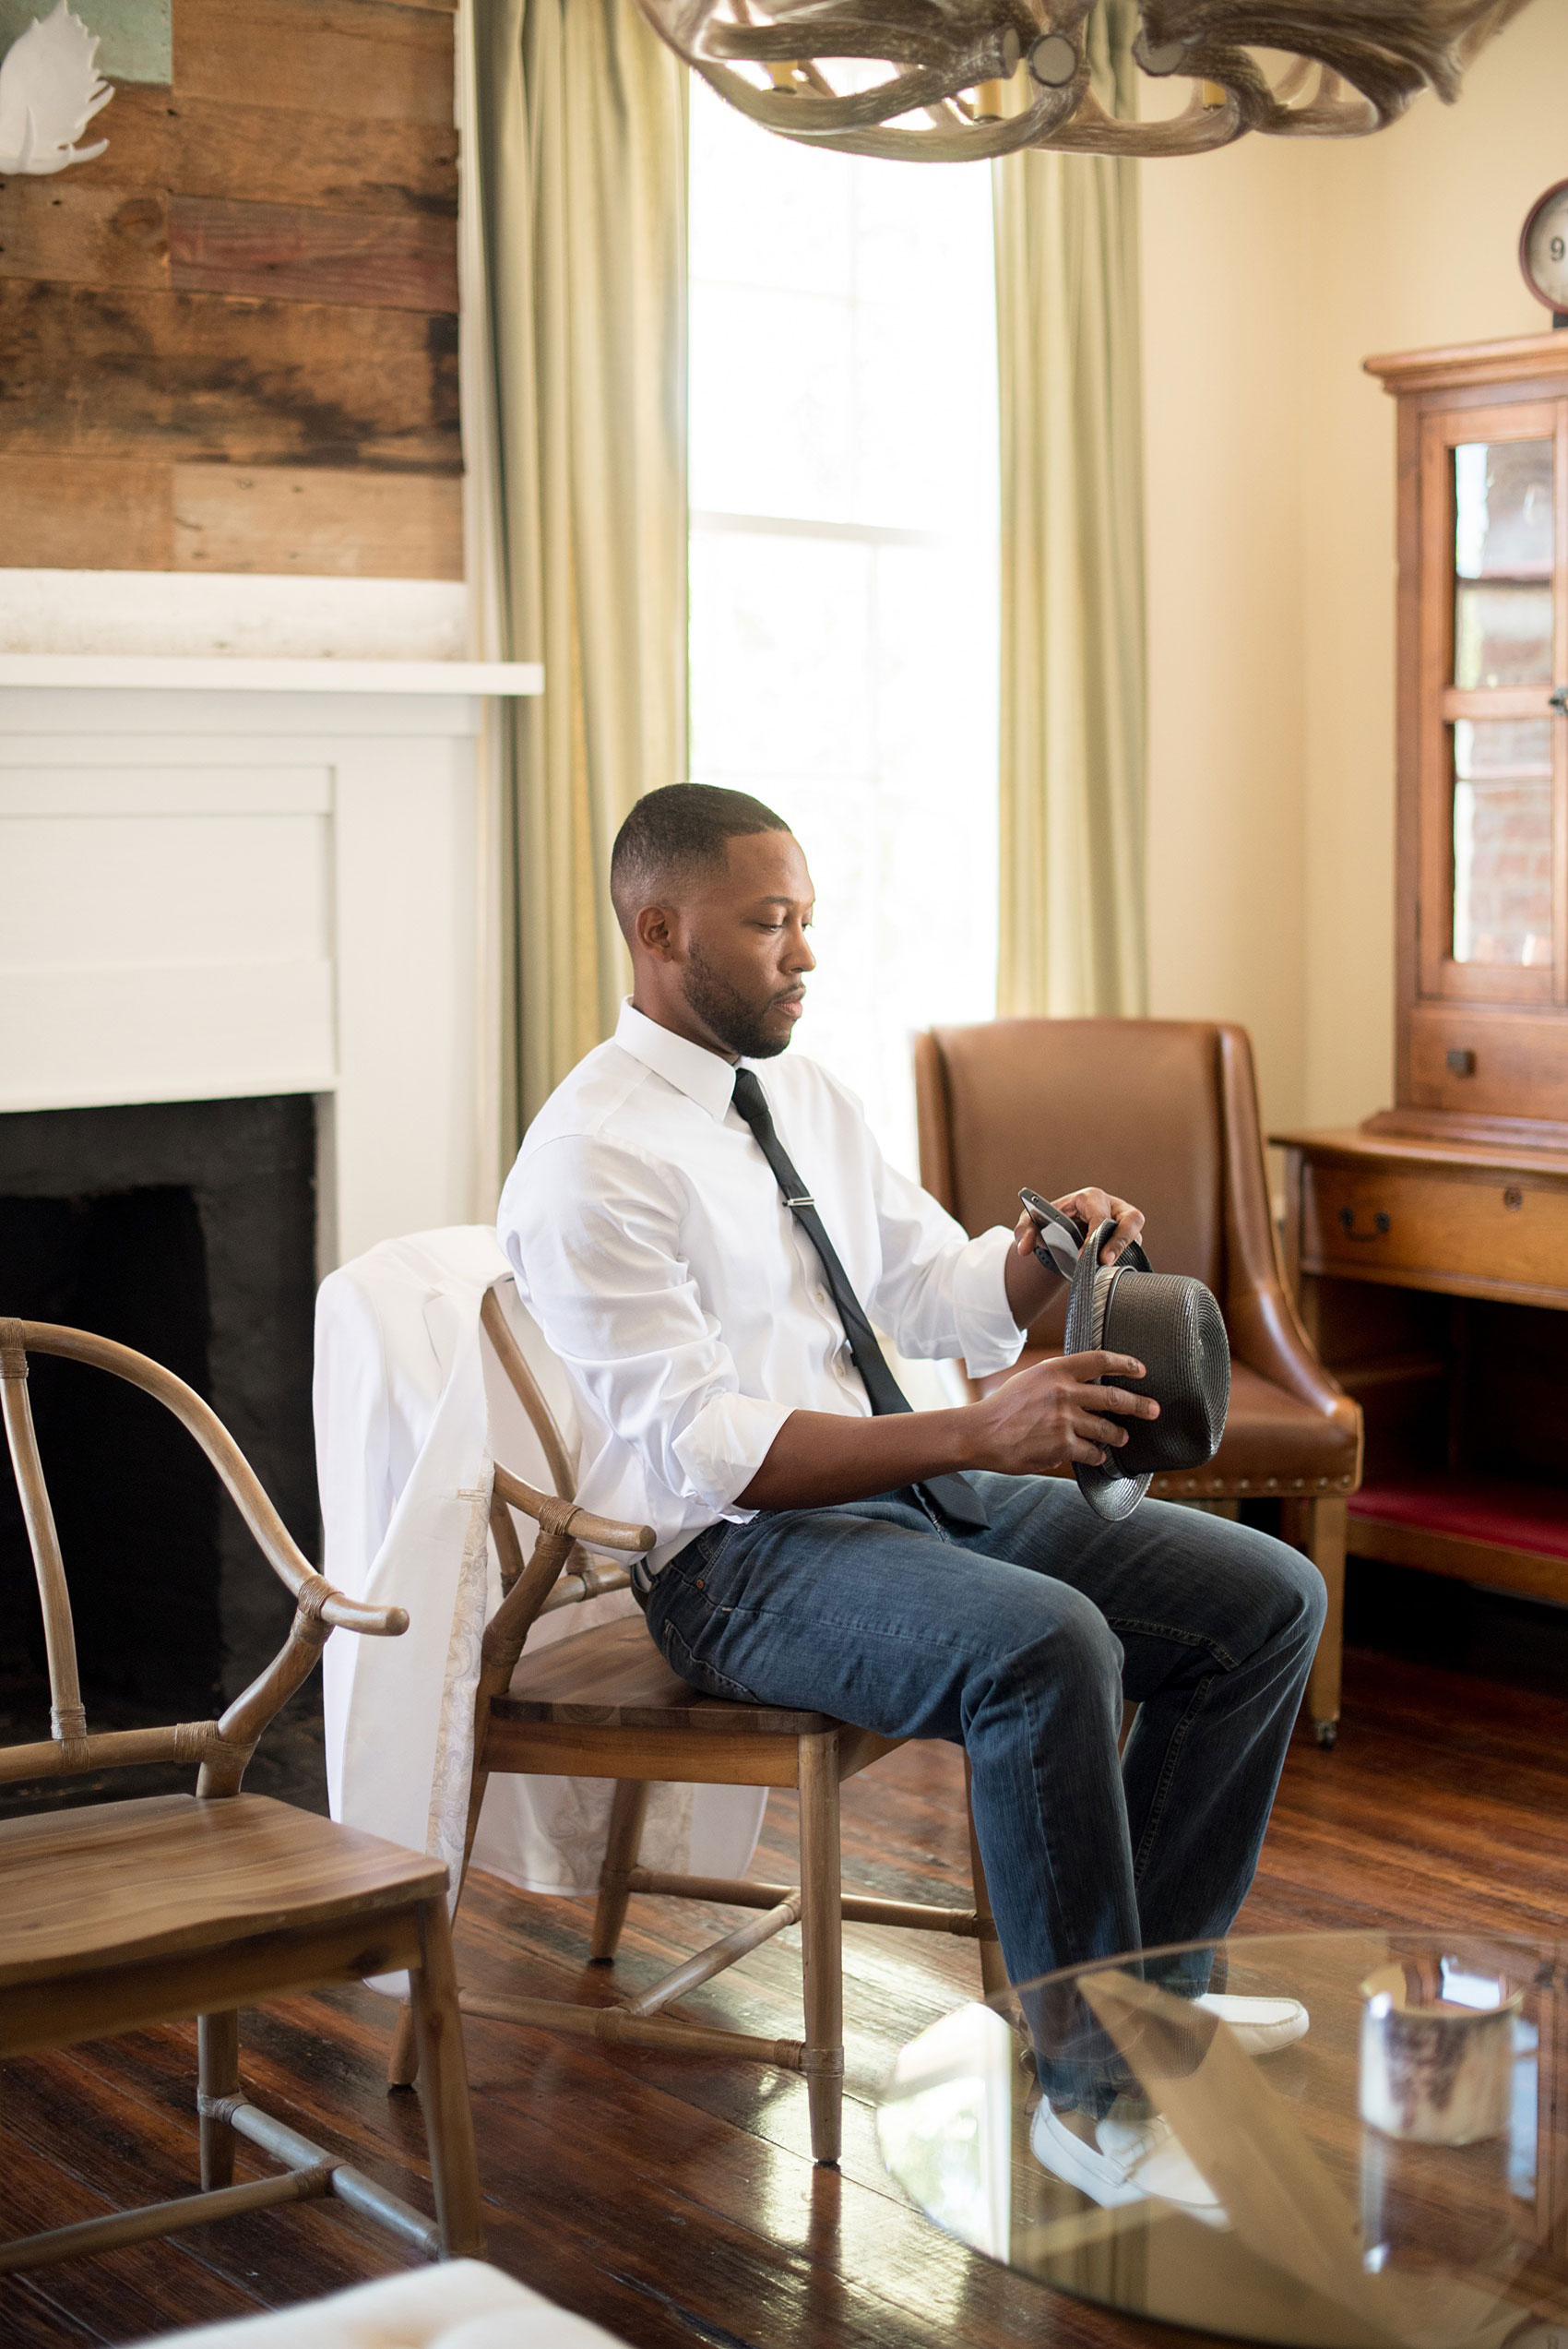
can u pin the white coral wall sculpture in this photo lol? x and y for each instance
(49, 92)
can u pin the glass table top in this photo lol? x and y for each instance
(1398, 2175)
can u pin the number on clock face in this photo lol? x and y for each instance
(1545, 250)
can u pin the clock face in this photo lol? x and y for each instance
(1543, 249)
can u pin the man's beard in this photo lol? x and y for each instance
(725, 1012)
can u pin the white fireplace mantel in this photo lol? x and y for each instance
(210, 672)
(225, 876)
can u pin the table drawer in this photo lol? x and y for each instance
(1482, 1234)
(1485, 1063)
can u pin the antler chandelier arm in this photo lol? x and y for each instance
(800, 67)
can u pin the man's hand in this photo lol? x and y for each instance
(1056, 1411)
(1030, 1284)
(1042, 1418)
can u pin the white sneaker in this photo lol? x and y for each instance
(1133, 2155)
(1261, 2025)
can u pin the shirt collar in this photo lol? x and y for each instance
(701, 1075)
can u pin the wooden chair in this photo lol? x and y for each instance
(1163, 1111)
(122, 1914)
(605, 1704)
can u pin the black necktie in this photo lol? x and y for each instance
(955, 1495)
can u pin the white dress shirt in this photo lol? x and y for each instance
(651, 1244)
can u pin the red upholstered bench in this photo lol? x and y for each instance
(1530, 1522)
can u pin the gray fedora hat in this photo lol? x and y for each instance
(1171, 1324)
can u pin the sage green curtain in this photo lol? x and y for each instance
(1073, 717)
(581, 121)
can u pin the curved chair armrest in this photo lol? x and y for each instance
(1267, 1336)
(341, 1613)
(556, 1516)
(239, 1479)
(320, 1610)
(562, 1524)
(1265, 1330)
(586, 1582)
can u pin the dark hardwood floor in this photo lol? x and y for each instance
(676, 2202)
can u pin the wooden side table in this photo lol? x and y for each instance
(1432, 1275)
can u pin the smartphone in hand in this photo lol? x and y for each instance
(1061, 1236)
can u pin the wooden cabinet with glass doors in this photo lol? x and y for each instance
(1430, 1245)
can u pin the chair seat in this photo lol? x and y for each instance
(613, 1677)
(1272, 1442)
(115, 1883)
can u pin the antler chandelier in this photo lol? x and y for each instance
(957, 80)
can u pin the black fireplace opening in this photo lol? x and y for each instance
(136, 1506)
(188, 1231)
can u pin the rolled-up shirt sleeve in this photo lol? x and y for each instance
(723, 1445)
(616, 1301)
(941, 1294)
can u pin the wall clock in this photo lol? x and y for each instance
(1543, 249)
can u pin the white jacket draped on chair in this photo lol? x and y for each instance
(412, 1413)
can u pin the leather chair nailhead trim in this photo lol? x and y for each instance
(1164, 1486)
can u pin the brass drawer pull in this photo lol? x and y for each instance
(1348, 1225)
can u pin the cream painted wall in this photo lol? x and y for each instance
(1271, 272)
(1224, 257)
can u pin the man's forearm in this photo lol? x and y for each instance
(818, 1457)
(1031, 1286)
(1066, 1408)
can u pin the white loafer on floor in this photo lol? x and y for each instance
(1133, 2155)
(1261, 2025)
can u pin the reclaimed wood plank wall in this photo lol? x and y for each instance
(231, 342)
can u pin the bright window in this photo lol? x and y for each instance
(843, 566)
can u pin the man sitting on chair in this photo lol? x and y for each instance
(697, 1221)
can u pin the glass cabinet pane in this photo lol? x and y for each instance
(1503, 510)
(1502, 636)
(1503, 545)
(1502, 841)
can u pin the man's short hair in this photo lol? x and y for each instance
(674, 833)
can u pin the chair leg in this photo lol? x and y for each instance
(822, 1935)
(1319, 1528)
(217, 2074)
(993, 1968)
(403, 2063)
(628, 1811)
(448, 2116)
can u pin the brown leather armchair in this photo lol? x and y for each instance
(1164, 1113)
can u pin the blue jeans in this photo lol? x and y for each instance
(1021, 1643)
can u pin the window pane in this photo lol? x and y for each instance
(844, 568)
(781, 644)
(1502, 841)
(791, 232)
(772, 402)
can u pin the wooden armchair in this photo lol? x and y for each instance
(121, 1915)
(1162, 1112)
(605, 1704)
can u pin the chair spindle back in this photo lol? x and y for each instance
(220, 1747)
(536, 1585)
